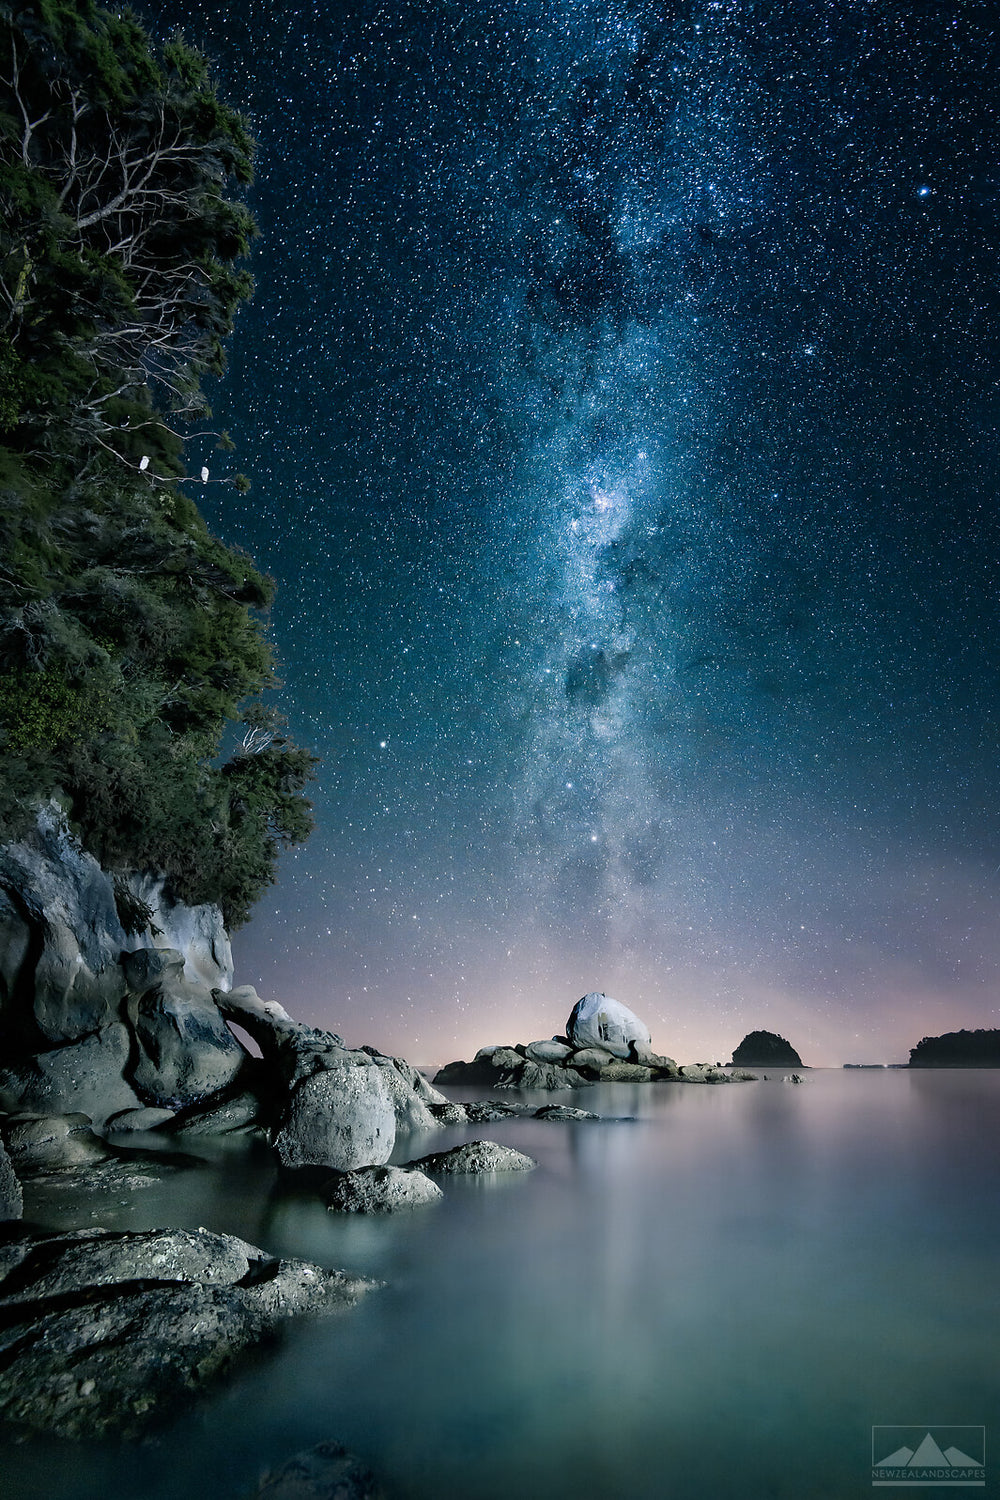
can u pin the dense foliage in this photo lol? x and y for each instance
(129, 638)
(957, 1049)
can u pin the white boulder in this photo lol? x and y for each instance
(598, 1021)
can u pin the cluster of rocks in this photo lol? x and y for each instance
(604, 1043)
(107, 1333)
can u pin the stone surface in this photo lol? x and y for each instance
(84, 1076)
(11, 1201)
(341, 1117)
(104, 1334)
(42, 1143)
(185, 1051)
(475, 1156)
(703, 1073)
(625, 1072)
(198, 932)
(761, 1049)
(326, 1472)
(380, 1190)
(599, 1021)
(548, 1052)
(450, 1113)
(591, 1059)
(240, 1113)
(130, 1121)
(481, 1111)
(563, 1112)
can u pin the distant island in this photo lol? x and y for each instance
(761, 1049)
(958, 1049)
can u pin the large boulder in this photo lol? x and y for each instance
(185, 1052)
(598, 1021)
(341, 1116)
(46, 1143)
(106, 1333)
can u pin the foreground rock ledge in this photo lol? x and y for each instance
(108, 1333)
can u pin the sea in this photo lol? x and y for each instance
(743, 1290)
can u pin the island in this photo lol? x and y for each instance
(761, 1049)
(958, 1049)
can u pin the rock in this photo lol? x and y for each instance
(239, 1113)
(625, 1072)
(563, 1112)
(481, 1111)
(475, 1156)
(44, 1143)
(384, 1190)
(591, 1059)
(266, 1021)
(761, 1049)
(548, 1052)
(185, 1050)
(11, 1200)
(413, 1111)
(703, 1073)
(341, 1117)
(130, 1121)
(103, 1334)
(326, 1472)
(597, 1021)
(450, 1113)
(198, 932)
(79, 1077)
(508, 1068)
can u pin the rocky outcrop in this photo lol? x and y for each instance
(45, 1143)
(326, 1472)
(105, 1334)
(762, 1049)
(183, 1050)
(381, 1190)
(341, 1116)
(598, 1021)
(517, 1068)
(475, 1156)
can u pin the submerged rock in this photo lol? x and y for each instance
(475, 1156)
(563, 1112)
(598, 1021)
(380, 1190)
(104, 1333)
(326, 1472)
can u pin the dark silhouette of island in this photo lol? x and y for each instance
(759, 1049)
(957, 1049)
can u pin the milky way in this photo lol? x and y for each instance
(621, 397)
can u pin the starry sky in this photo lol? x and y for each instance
(621, 396)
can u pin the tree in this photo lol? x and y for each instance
(131, 639)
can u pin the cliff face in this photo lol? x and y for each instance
(85, 1026)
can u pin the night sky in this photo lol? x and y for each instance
(621, 397)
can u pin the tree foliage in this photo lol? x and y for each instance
(131, 638)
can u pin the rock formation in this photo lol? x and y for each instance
(958, 1049)
(761, 1049)
(326, 1472)
(597, 1021)
(105, 1333)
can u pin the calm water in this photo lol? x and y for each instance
(718, 1298)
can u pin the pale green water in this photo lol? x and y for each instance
(717, 1299)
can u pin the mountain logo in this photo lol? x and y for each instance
(924, 1456)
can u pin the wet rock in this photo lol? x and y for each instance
(326, 1472)
(450, 1113)
(380, 1190)
(475, 1156)
(42, 1143)
(703, 1073)
(341, 1117)
(129, 1121)
(599, 1021)
(103, 1334)
(11, 1201)
(481, 1111)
